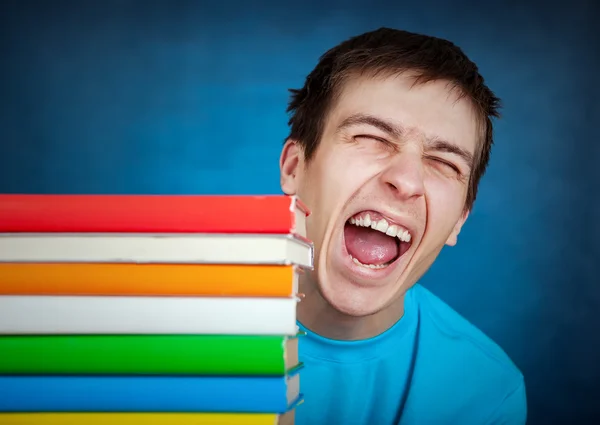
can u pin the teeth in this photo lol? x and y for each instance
(392, 231)
(371, 266)
(383, 226)
(367, 221)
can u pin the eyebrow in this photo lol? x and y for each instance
(385, 126)
(444, 146)
(396, 131)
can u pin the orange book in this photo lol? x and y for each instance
(148, 279)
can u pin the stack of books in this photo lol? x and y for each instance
(150, 309)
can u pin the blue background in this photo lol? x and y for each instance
(146, 97)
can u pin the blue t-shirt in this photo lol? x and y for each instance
(431, 368)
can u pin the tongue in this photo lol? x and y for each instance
(370, 246)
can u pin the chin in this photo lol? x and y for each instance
(368, 258)
(350, 300)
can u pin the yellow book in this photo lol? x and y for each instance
(146, 418)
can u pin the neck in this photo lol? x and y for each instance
(316, 314)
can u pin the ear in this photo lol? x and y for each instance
(453, 238)
(289, 165)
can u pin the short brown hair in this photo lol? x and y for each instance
(391, 51)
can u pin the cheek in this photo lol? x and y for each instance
(333, 178)
(445, 202)
(328, 185)
(343, 175)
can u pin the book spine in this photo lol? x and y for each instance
(143, 354)
(154, 418)
(163, 249)
(146, 213)
(143, 394)
(147, 315)
(147, 279)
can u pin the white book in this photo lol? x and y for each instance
(24, 314)
(199, 248)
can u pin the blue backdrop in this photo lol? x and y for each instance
(189, 97)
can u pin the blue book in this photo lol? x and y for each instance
(252, 394)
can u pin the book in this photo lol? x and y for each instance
(71, 418)
(156, 248)
(150, 306)
(149, 279)
(45, 314)
(63, 213)
(224, 355)
(254, 394)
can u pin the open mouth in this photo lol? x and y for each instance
(374, 242)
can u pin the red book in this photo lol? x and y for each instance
(274, 214)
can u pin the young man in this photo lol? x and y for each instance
(389, 138)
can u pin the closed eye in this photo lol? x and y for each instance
(391, 146)
(447, 164)
(371, 137)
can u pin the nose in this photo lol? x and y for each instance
(404, 176)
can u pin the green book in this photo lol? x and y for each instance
(148, 354)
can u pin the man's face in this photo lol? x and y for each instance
(386, 186)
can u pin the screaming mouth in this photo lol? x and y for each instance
(373, 242)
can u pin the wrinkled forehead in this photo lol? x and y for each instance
(437, 108)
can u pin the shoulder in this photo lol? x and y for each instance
(464, 358)
(457, 333)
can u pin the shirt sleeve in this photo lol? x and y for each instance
(513, 409)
